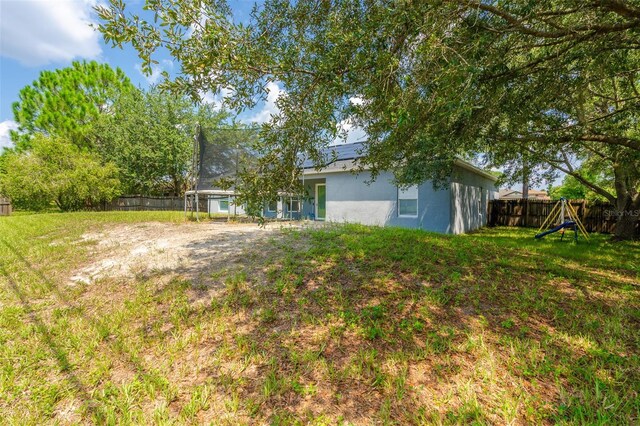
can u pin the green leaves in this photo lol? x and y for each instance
(57, 172)
(150, 136)
(65, 102)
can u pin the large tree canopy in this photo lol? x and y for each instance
(150, 137)
(65, 102)
(533, 85)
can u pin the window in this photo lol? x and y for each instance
(272, 206)
(294, 205)
(408, 202)
(223, 206)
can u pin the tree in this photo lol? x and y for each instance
(572, 188)
(56, 172)
(65, 102)
(150, 137)
(547, 85)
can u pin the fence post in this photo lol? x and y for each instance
(5, 207)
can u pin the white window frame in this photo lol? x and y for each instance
(269, 206)
(294, 200)
(220, 209)
(402, 196)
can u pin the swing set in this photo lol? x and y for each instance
(562, 217)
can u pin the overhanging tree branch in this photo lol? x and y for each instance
(565, 166)
(569, 32)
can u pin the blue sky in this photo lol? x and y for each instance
(37, 35)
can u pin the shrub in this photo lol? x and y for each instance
(55, 171)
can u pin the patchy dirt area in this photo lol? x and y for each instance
(188, 249)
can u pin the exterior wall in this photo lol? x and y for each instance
(470, 195)
(460, 207)
(350, 199)
(272, 215)
(214, 206)
(434, 208)
(282, 211)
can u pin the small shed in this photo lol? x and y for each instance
(5, 206)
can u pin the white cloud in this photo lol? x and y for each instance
(349, 133)
(38, 32)
(197, 28)
(209, 98)
(269, 108)
(156, 71)
(216, 100)
(5, 127)
(356, 100)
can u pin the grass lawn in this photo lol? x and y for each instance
(343, 324)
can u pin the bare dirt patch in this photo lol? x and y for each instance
(129, 250)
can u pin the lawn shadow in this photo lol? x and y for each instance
(60, 356)
(101, 327)
(383, 321)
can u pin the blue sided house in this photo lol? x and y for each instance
(335, 194)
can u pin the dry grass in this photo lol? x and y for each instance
(346, 324)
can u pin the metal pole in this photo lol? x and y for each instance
(196, 171)
(301, 201)
(197, 198)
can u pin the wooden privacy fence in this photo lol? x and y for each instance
(150, 203)
(5, 206)
(137, 203)
(595, 215)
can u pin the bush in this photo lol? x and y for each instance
(55, 171)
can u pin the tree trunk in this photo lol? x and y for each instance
(628, 200)
(176, 186)
(525, 187)
(628, 217)
(626, 227)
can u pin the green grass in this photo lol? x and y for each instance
(341, 325)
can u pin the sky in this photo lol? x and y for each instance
(38, 35)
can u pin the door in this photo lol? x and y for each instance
(321, 201)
